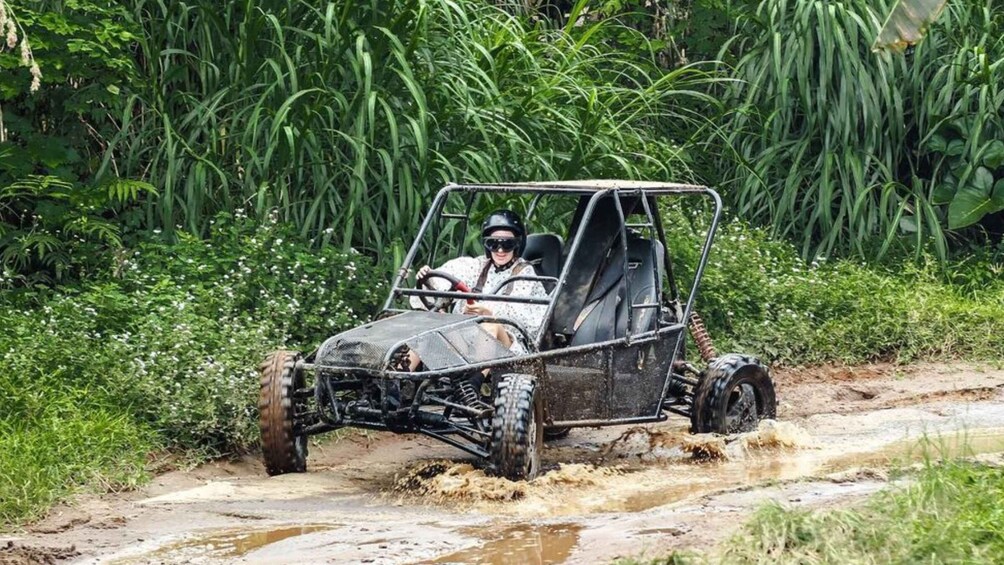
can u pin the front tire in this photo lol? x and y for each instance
(735, 392)
(517, 428)
(282, 450)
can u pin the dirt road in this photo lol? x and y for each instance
(381, 498)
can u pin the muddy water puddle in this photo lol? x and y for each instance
(521, 544)
(230, 544)
(654, 468)
(640, 472)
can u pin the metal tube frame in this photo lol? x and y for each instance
(537, 356)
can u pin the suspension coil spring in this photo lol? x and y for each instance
(701, 337)
(466, 394)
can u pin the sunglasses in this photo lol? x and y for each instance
(500, 243)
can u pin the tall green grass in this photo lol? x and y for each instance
(950, 514)
(846, 150)
(351, 114)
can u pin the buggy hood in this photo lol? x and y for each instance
(442, 341)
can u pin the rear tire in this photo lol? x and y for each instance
(282, 450)
(735, 392)
(517, 428)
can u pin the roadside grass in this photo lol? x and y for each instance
(944, 510)
(953, 512)
(159, 352)
(44, 461)
(758, 296)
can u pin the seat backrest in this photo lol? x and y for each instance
(598, 319)
(605, 314)
(595, 243)
(543, 251)
(645, 267)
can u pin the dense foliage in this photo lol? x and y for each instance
(160, 349)
(793, 311)
(354, 113)
(840, 148)
(184, 186)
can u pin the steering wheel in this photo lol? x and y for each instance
(441, 304)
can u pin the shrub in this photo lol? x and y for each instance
(759, 296)
(161, 350)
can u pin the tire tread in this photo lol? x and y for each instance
(276, 412)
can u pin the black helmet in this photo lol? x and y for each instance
(505, 220)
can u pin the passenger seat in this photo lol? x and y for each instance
(606, 312)
(543, 251)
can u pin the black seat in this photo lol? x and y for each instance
(543, 251)
(645, 266)
(605, 314)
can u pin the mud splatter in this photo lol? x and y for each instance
(446, 481)
(17, 553)
(576, 474)
(649, 444)
(774, 434)
(706, 446)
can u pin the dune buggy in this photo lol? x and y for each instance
(611, 349)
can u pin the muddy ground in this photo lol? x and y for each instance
(609, 493)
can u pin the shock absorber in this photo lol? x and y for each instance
(701, 337)
(466, 394)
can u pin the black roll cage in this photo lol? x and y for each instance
(581, 188)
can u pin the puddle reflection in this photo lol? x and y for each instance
(522, 544)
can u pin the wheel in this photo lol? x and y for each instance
(517, 428)
(735, 392)
(282, 450)
(552, 434)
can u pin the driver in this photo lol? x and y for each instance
(503, 237)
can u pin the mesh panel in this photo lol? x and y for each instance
(367, 346)
(458, 346)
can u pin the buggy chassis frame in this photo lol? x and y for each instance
(447, 421)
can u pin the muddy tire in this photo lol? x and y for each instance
(554, 434)
(282, 450)
(517, 428)
(735, 392)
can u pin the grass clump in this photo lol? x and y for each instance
(46, 458)
(950, 514)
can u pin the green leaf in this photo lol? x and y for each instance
(908, 224)
(993, 155)
(113, 89)
(938, 144)
(955, 148)
(907, 23)
(943, 192)
(983, 180)
(977, 200)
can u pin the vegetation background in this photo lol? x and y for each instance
(187, 185)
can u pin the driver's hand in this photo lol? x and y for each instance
(422, 272)
(478, 310)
